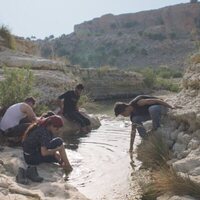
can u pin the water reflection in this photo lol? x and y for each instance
(102, 165)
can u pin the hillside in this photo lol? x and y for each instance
(149, 38)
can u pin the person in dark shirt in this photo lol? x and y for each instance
(40, 145)
(141, 109)
(69, 107)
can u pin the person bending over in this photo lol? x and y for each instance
(41, 144)
(141, 109)
(69, 107)
(17, 118)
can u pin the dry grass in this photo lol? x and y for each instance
(195, 58)
(167, 180)
(153, 151)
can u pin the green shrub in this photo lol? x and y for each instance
(149, 77)
(167, 84)
(16, 85)
(84, 100)
(8, 38)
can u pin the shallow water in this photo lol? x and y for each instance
(101, 162)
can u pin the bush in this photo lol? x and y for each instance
(8, 38)
(149, 77)
(167, 180)
(166, 84)
(153, 152)
(16, 86)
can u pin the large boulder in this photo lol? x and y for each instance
(70, 127)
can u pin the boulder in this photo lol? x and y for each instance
(70, 127)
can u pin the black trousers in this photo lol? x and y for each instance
(36, 158)
(78, 118)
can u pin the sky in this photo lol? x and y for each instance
(42, 18)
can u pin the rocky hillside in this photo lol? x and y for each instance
(150, 38)
(54, 77)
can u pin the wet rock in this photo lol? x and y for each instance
(71, 127)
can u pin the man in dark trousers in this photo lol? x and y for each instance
(70, 109)
(141, 109)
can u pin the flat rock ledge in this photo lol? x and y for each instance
(53, 187)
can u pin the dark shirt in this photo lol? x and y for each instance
(70, 101)
(141, 110)
(37, 138)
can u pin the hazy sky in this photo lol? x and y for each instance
(42, 18)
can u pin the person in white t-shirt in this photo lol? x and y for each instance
(17, 118)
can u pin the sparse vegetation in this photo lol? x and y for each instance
(156, 36)
(167, 180)
(154, 153)
(161, 78)
(16, 85)
(8, 37)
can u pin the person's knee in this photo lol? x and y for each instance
(56, 142)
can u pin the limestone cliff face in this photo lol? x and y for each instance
(54, 77)
(112, 83)
(150, 38)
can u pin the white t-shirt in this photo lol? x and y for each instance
(12, 117)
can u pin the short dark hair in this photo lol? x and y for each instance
(119, 108)
(30, 99)
(80, 87)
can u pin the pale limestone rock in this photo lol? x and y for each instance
(189, 163)
(178, 148)
(183, 138)
(193, 144)
(53, 187)
(174, 135)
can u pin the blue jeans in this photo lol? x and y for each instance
(155, 112)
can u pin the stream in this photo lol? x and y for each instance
(102, 165)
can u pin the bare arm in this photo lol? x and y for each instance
(132, 139)
(25, 108)
(60, 104)
(144, 102)
(49, 152)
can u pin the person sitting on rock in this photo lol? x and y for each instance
(69, 108)
(41, 144)
(141, 109)
(17, 118)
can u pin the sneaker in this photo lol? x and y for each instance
(33, 175)
(21, 177)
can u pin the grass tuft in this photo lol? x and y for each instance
(8, 37)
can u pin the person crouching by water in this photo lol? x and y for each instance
(141, 109)
(17, 118)
(70, 109)
(41, 145)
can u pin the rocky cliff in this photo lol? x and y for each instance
(150, 38)
(182, 129)
(54, 77)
